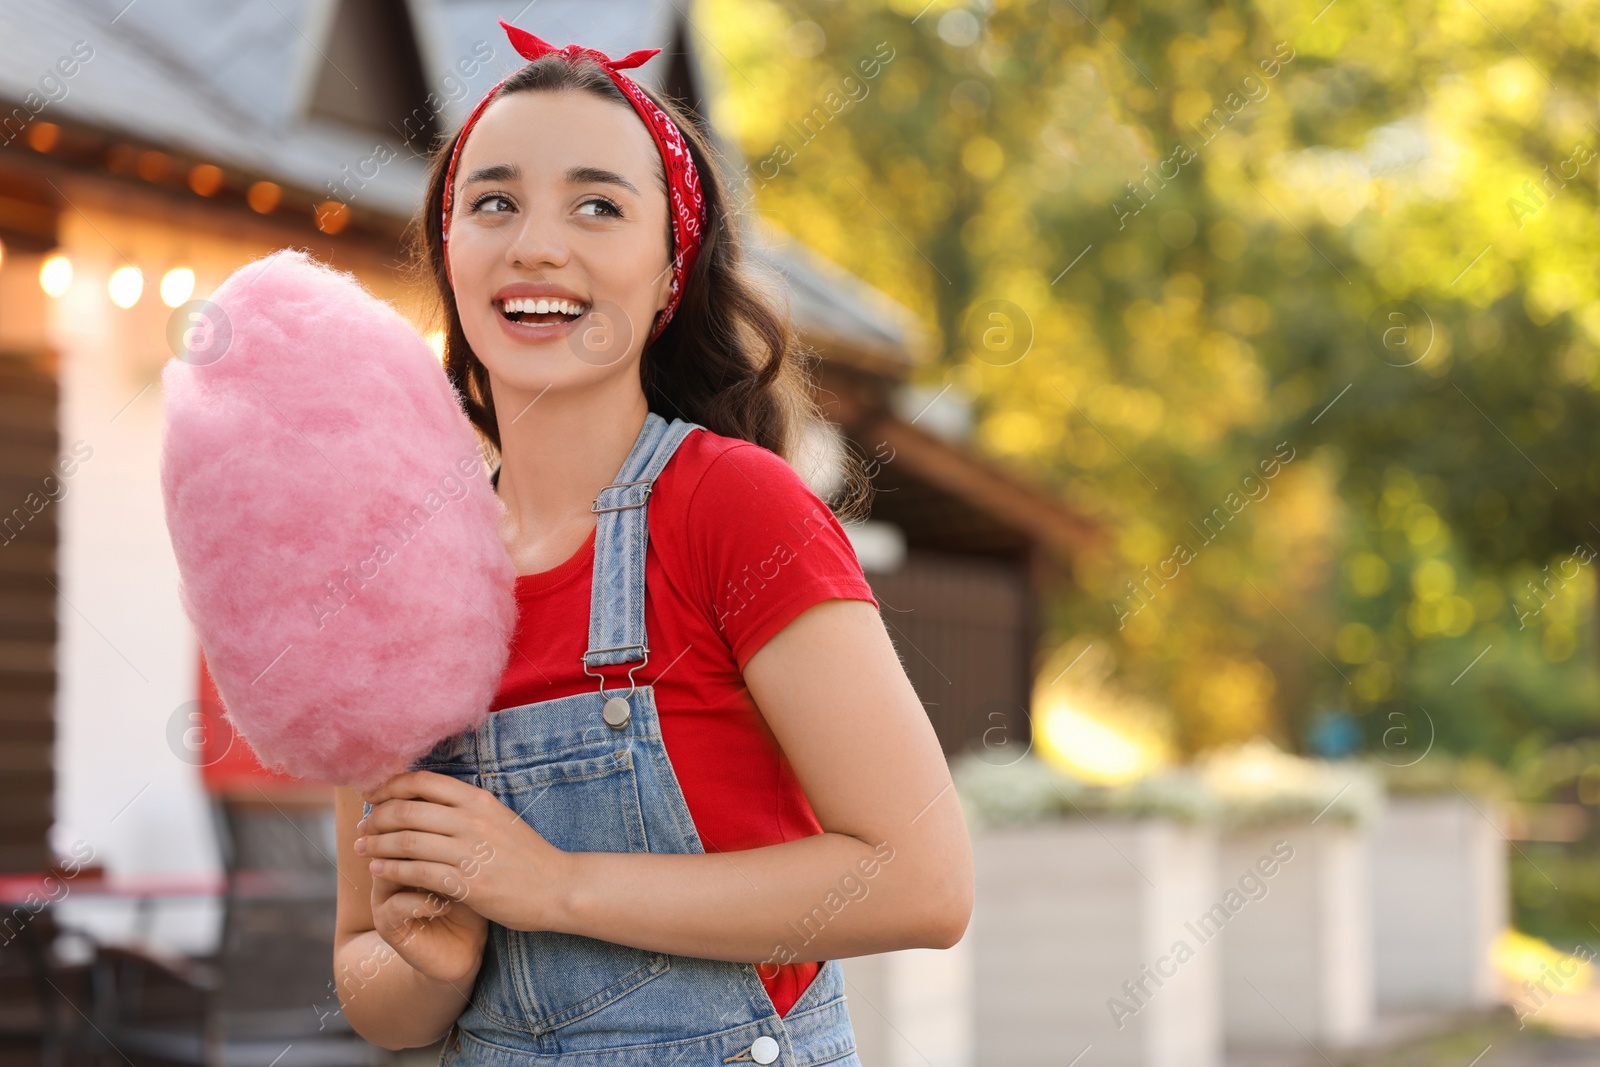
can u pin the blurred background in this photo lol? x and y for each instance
(1222, 371)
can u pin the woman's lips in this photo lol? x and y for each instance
(535, 332)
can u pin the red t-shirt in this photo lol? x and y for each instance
(739, 546)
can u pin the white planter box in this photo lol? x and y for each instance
(1297, 963)
(1440, 896)
(1069, 910)
(912, 1008)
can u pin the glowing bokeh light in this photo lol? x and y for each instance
(55, 276)
(125, 286)
(1088, 747)
(177, 285)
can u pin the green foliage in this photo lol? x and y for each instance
(1556, 884)
(1202, 219)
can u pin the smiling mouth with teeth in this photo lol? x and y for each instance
(541, 311)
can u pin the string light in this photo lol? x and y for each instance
(206, 179)
(331, 216)
(55, 276)
(177, 285)
(125, 286)
(263, 197)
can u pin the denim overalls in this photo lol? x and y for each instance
(590, 774)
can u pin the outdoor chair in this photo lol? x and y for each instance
(266, 999)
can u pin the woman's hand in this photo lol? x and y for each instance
(441, 939)
(432, 832)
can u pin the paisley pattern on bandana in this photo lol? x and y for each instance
(685, 199)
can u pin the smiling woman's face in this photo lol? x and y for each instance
(557, 198)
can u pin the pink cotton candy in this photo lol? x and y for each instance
(335, 530)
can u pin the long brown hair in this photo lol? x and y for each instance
(730, 359)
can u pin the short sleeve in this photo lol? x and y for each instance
(767, 546)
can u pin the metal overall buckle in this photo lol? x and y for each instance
(648, 483)
(617, 711)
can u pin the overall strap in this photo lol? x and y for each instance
(616, 601)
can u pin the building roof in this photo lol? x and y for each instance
(204, 78)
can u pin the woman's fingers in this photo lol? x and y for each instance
(402, 828)
(410, 813)
(441, 878)
(404, 915)
(407, 855)
(418, 904)
(408, 845)
(421, 785)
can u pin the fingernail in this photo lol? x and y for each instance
(361, 844)
(376, 866)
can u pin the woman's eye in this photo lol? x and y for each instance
(489, 198)
(615, 211)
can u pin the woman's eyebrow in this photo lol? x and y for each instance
(598, 175)
(510, 172)
(499, 172)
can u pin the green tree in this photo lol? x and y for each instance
(1361, 237)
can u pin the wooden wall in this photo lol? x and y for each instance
(962, 627)
(29, 450)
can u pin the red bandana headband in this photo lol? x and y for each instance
(686, 203)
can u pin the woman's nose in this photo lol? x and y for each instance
(538, 240)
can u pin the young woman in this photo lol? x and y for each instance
(707, 777)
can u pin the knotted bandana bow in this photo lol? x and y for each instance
(685, 200)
